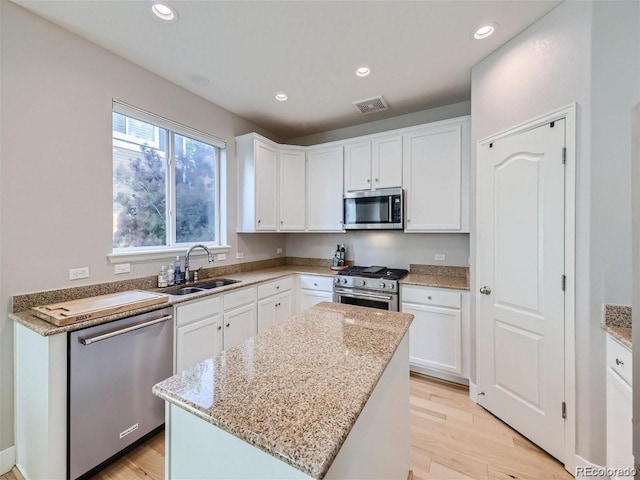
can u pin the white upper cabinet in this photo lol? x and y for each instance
(386, 161)
(357, 166)
(436, 177)
(271, 186)
(324, 192)
(372, 164)
(266, 167)
(292, 191)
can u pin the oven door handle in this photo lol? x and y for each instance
(347, 293)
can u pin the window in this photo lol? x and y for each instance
(165, 186)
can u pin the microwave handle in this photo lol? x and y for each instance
(391, 209)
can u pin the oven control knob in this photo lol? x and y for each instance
(362, 283)
(336, 280)
(383, 285)
(344, 280)
(390, 285)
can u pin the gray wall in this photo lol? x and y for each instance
(56, 173)
(583, 52)
(377, 126)
(391, 249)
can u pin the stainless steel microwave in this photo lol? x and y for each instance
(374, 210)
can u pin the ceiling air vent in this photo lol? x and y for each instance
(371, 105)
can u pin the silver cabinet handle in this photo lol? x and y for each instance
(485, 290)
(368, 180)
(219, 327)
(104, 336)
(619, 362)
(376, 179)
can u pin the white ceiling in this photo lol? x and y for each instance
(420, 52)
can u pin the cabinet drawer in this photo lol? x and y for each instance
(198, 309)
(316, 282)
(619, 358)
(275, 286)
(239, 297)
(430, 296)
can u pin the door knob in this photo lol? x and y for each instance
(485, 291)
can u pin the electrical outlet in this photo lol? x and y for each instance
(441, 257)
(278, 250)
(222, 256)
(122, 268)
(78, 273)
(239, 255)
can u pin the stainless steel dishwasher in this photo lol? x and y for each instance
(112, 368)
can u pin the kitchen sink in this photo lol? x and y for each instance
(221, 282)
(185, 291)
(203, 287)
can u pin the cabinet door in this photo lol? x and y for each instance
(324, 190)
(619, 424)
(435, 339)
(309, 298)
(283, 307)
(240, 324)
(266, 181)
(266, 313)
(386, 162)
(293, 192)
(197, 341)
(357, 166)
(433, 179)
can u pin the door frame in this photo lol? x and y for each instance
(567, 112)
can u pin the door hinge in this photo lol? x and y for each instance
(564, 283)
(564, 155)
(564, 410)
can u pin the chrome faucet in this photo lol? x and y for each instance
(186, 260)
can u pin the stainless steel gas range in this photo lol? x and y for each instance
(375, 287)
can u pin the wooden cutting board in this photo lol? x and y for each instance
(64, 313)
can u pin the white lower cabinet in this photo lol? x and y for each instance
(439, 334)
(240, 316)
(198, 331)
(619, 407)
(314, 289)
(274, 302)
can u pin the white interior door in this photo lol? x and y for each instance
(520, 305)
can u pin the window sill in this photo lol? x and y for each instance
(161, 254)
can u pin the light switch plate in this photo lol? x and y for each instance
(122, 268)
(78, 273)
(278, 250)
(441, 257)
(222, 256)
(239, 255)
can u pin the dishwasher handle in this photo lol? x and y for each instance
(104, 336)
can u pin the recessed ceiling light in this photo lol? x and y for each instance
(485, 31)
(281, 96)
(164, 12)
(363, 71)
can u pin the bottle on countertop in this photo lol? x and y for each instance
(336, 259)
(177, 273)
(343, 255)
(171, 275)
(162, 277)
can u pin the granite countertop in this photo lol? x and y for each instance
(247, 279)
(424, 275)
(295, 390)
(616, 320)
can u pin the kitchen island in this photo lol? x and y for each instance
(324, 394)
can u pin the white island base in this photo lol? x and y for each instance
(378, 446)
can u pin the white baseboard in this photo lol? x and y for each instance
(590, 470)
(473, 392)
(441, 375)
(7, 459)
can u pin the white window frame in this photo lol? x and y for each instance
(133, 254)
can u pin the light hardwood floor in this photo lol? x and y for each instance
(451, 438)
